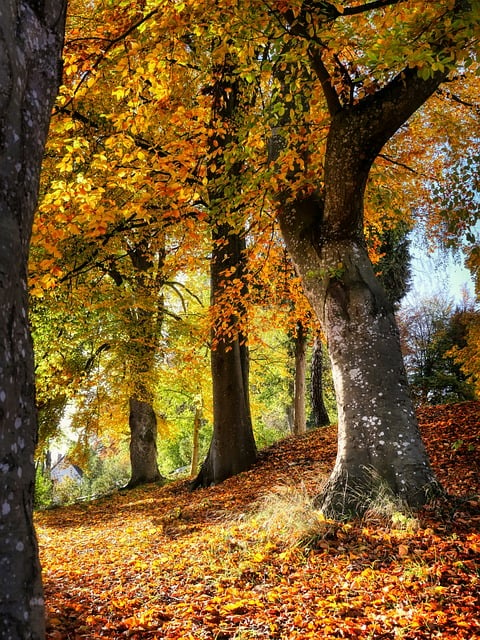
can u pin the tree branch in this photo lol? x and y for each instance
(370, 6)
(454, 98)
(111, 43)
(331, 96)
(390, 107)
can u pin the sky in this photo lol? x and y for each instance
(440, 275)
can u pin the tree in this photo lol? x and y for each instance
(232, 448)
(144, 331)
(300, 352)
(322, 222)
(319, 410)
(432, 333)
(31, 36)
(108, 201)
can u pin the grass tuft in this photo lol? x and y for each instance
(287, 517)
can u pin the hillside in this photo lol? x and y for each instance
(225, 563)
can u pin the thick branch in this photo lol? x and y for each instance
(370, 6)
(331, 96)
(377, 117)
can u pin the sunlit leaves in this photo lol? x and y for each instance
(163, 562)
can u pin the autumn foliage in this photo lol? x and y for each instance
(161, 562)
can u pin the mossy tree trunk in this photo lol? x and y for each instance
(145, 319)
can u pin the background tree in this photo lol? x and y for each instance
(31, 35)
(320, 415)
(432, 332)
(108, 198)
(144, 335)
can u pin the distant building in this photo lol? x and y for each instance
(63, 469)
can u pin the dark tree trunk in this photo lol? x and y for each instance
(31, 36)
(143, 443)
(378, 441)
(232, 448)
(319, 410)
(300, 347)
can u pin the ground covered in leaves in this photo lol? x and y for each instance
(251, 559)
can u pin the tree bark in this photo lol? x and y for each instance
(197, 419)
(232, 448)
(299, 416)
(143, 443)
(145, 319)
(319, 410)
(31, 38)
(378, 437)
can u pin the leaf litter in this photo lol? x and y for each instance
(218, 564)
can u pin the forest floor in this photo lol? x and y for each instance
(251, 559)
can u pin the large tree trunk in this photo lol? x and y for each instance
(319, 410)
(145, 319)
(143, 443)
(300, 346)
(378, 437)
(31, 36)
(232, 448)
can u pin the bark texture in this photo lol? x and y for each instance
(145, 319)
(31, 38)
(232, 448)
(299, 415)
(143, 443)
(319, 410)
(378, 438)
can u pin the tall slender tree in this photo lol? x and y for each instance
(232, 448)
(319, 410)
(145, 317)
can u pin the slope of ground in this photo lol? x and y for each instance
(161, 562)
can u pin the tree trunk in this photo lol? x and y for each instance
(31, 36)
(232, 448)
(145, 319)
(299, 416)
(378, 440)
(143, 443)
(319, 410)
(197, 419)
(378, 437)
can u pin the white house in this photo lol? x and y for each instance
(64, 469)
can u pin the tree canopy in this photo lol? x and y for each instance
(136, 160)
